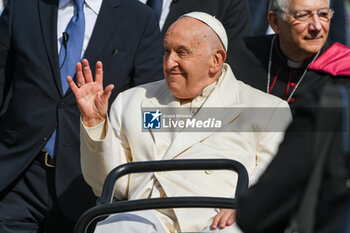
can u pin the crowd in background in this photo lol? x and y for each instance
(340, 29)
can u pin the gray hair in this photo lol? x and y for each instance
(281, 6)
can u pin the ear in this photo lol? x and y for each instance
(274, 21)
(218, 60)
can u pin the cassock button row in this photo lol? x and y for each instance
(208, 172)
(293, 84)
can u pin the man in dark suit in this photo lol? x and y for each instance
(47, 193)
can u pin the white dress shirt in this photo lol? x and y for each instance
(66, 9)
(2, 5)
(165, 11)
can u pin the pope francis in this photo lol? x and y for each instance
(196, 79)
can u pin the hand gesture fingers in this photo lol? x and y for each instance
(92, 99)
(99, 72)
(226, 217)
(87, 71)
(80, 79)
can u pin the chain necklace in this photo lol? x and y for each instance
(269, 71)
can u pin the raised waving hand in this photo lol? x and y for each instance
(92, 99)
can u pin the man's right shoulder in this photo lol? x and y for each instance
(149, 89)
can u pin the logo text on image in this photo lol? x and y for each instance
(152, 119)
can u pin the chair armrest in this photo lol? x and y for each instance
(107, 206)
(173, 165)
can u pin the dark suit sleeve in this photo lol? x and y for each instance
(267, 205)
(5, 58)
(149, 55)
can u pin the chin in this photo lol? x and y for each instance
(175, 91)
(312, 48)
(180, 94)
(315, 44)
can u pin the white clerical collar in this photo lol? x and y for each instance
(294, 65)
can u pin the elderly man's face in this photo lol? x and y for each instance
(300, 39)
(187, 58)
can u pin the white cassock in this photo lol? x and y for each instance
(252, 126)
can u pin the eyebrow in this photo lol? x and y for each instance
(165, 44)
(325, 8)
(183, 47)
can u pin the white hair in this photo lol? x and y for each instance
(281, 6)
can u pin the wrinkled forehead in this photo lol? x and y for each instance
(186, 24)
(307, 4)
(186, 28)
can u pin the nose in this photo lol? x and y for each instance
(170, 60)
(315, 23)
